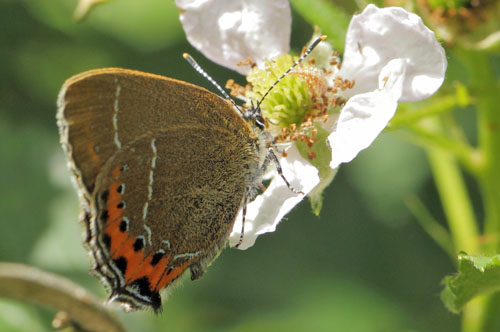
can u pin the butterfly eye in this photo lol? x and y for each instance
(260, 122)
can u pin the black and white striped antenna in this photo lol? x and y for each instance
(200, 70)
(256, 109)
(302, 57)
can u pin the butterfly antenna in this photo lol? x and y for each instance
(200, 70)
(306, 53)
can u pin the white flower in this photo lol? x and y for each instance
(228, 32)
(389, 54)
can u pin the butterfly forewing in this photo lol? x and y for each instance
(101, 110)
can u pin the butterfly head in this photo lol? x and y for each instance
(255, 117)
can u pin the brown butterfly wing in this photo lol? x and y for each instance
(103, 109)
(161, 167)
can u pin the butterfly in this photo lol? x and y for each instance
(162, 168)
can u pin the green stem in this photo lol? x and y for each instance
(461, 150)
(473, 312)
(430, 225)
(461, 221)
(440, 105)
(454, 197)
(482, 314)
(486, 88)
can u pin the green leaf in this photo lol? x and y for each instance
(322, 163)
(332, 20)
(477, 275)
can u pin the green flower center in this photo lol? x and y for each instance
(289, 101)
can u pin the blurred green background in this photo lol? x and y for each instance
(363, 265)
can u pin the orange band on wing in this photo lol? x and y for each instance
(111, 204)
(134, 259)
(124, 249)
(117, 236)
(168, 277)
(155, 275)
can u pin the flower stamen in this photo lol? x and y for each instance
(309, 93)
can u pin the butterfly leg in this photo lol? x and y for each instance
(272, 155)
(271, 141)
(244, 213)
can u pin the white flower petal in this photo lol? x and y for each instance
(228, 31)
(266, 211)
(377, 36)
(365, 115)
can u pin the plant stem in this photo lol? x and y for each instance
(460, 217)
(462, 151)
(454, 198)
(486, 88)
(430, 225)
(481, 315)
(80, 308)
(440, 105)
